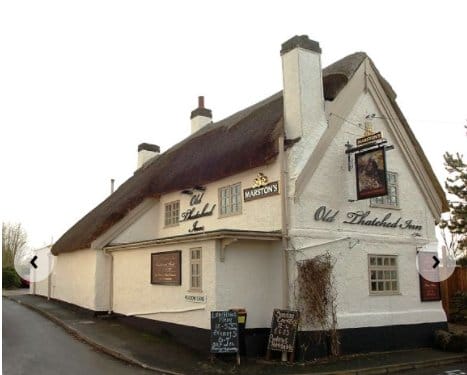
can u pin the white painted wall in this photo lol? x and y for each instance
(134, 294)
(333, 186)
(74, 278)
(250, 278)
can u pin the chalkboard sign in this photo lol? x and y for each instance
(224, 332)
(284, 327)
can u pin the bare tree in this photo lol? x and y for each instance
(14, 239)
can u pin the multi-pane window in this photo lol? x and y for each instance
(384, 278)
(195, 269)
(230, 200)
(172, 212)
(391, 200)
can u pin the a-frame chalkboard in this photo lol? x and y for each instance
(224, 333)
(284, 326)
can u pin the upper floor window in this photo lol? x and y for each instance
(172, 213)
(391, 200)
(230, 200)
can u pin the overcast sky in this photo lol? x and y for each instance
(82, 83)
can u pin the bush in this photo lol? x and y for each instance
(451, 342)
(462, 261)
(10, 278)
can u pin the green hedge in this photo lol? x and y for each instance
(10, 278)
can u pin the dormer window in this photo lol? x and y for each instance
(230, 200)
(172, 213)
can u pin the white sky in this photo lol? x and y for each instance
(82, 83)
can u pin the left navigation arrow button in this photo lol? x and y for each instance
(33, 261)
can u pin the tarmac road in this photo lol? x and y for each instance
(34, 345)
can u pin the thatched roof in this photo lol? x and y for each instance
(245, 140)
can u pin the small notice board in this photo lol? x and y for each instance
(166, 268)
(284, 327)
(429, 290)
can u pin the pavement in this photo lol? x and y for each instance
(162, 354)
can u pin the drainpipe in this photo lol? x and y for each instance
(111, 282)
(284, 216)
(49, 277)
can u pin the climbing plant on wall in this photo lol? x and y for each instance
(316, 296)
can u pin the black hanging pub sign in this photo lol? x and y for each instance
(370, 164)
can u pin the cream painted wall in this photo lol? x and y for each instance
(334, 186)
(134, 294)
(254, 216)
(250, 277)
(74, 278)
(40, 288)
(143, 229)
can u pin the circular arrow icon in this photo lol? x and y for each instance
(435, 269)
(35, 267)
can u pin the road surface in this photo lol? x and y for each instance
(34, 345)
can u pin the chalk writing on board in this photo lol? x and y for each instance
(224, 332)
(283, 330)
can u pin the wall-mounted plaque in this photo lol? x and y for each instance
(429, 290)
(195, 298)
(166, 268)
(371, 173)
(261, 192)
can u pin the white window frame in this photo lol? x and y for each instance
(196, 270)
(228, 206)
(383, 274)
(392, 199)
(171, 215)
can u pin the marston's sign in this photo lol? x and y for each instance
(369, 138)
(261, 192)
(364, 218)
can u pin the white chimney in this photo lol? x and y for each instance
(200, 116)
(303, 88)
(146, 151)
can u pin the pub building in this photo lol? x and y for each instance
(222, 219)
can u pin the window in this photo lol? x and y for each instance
(391, 200)
(195, 269)
(384, 278)
(230, 198)
(172, 213)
